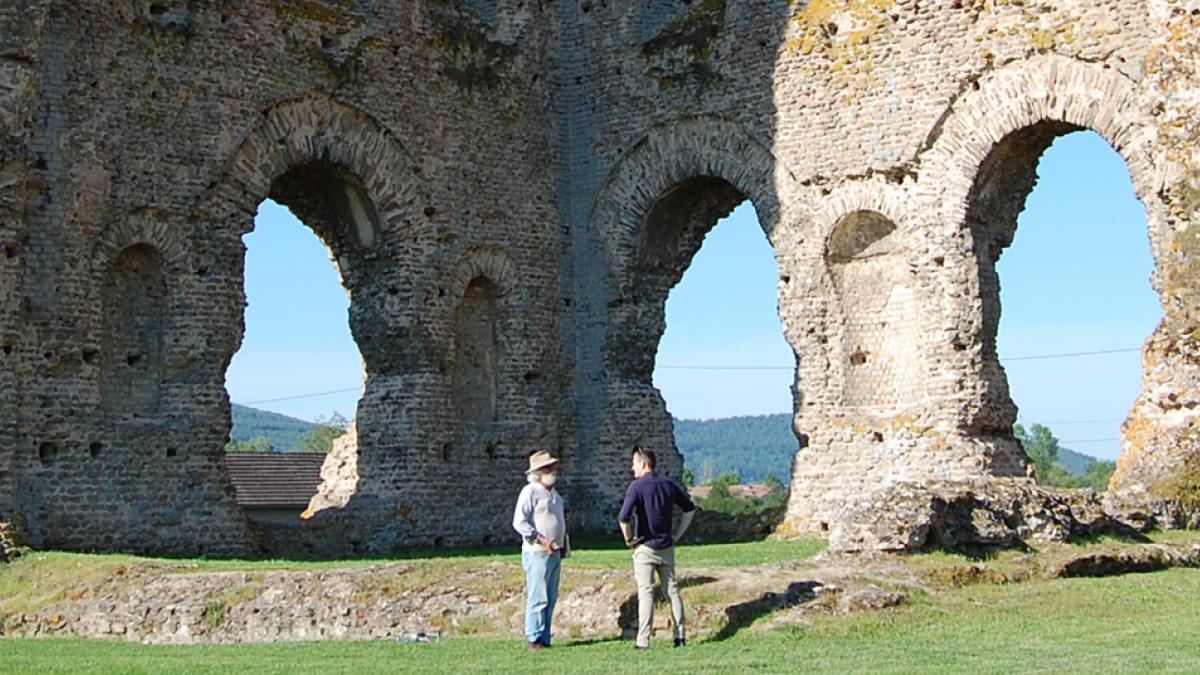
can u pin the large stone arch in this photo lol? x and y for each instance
(957, 423)
(352, 181)
(986, 154)
(652, 213)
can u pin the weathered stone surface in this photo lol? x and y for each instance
(975, 517)
(510, 191)
(1148, 558)
(715, 527)
(339, 474)
(13, 536)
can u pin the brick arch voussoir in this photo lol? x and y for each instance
(492, 263)
(670, 154)
(876, 194)
(307, 130)
(159, 231)
(1044, 88)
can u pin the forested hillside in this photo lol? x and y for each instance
(753, 446)
(762, 444)
(284, 432)
(1075, 462)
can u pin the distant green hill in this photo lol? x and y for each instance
(284, 432)
(758, 445)
(1075, 462)
(753, 446)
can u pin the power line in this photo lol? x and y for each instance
(726, 367)
(1046, 424)
(1014, 358)
(695, 367)
(1063, 356)
(293, 398)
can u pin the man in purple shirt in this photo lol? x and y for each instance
(650, 500)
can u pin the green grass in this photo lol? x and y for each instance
(1134, 624)
(1147, 623)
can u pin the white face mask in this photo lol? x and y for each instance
(549, 479)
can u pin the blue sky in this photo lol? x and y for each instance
(1076, 279)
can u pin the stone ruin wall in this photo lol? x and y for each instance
(510, 190)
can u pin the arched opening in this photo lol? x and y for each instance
(1077, 302)
(299, 364)
(297, 346)
(134, 303)
(722, 364)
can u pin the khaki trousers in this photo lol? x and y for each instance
(647, 561)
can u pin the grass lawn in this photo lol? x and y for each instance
(1147, 623)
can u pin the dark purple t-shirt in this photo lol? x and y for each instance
(650, 498)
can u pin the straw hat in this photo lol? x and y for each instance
(540, 460)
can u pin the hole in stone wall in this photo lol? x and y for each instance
(298, 362)
(723, 354)
(94, 449)
(1074, 280)
(47, 453)
(171, 452)
(439, 542)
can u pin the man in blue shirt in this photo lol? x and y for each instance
(650, 500)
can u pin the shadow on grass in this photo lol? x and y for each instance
(627, 620)
(743, 614)
(589, 642)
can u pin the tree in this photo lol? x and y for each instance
(256, 444)
(326, 431)
(689, 478)
(777, 495)
(1042, 447)
(1098, 475)
(1040, 444)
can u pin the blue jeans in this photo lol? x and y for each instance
(541, 587)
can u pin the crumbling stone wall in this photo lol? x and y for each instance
(510, 190)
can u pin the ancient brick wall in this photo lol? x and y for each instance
(510, 190)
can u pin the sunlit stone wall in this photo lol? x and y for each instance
(510, 190)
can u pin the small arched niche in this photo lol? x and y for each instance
(133, 297)
(477, 353)
(878, 306)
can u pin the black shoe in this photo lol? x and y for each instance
(536, 645)
(679, 642)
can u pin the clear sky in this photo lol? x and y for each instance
(1075, 279)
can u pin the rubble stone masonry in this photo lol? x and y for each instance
(510, 189)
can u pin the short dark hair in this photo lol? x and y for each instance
(646, 455)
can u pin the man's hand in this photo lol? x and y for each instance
(546, 544)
